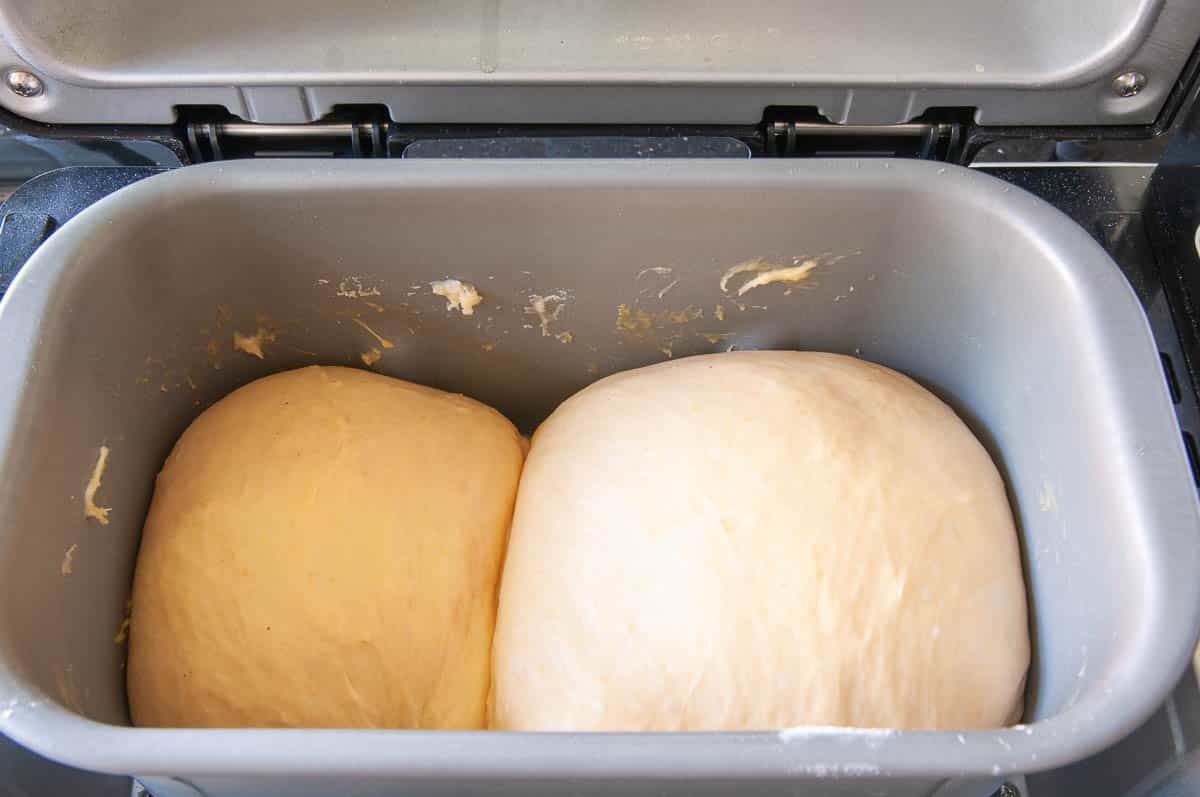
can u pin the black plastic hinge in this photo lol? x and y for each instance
(803, 132)
(214, 135)
(939, 141)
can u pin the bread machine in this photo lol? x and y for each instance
(972, 171)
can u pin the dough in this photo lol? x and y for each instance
(757, 540)
(322, 551)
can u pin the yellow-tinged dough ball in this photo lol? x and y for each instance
(322, 551)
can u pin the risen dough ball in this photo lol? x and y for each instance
(322, 550)
(759, 540)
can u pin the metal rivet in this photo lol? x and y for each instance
(1128, 84)
(24, 84)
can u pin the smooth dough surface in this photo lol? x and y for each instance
(322, 551)
(759, 540)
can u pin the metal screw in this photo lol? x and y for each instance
(24, 84)
(1128, 84)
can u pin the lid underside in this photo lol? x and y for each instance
(509, 61)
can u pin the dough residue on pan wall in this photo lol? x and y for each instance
(68, 562)
(1047, 501)
(547, 308)
(664, 274)
(90, 508)
(253, 344)
(459, 295)
(352, 288)
(636, 323)
(68, 688)
(663, 329)
(790, 274)
(370, 357)
(765, 273)
(384, 342)
(122, 635)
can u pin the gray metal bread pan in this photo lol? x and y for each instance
(119, 331)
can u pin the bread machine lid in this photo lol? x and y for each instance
(1019, 62)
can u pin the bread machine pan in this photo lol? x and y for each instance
(120, 329)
